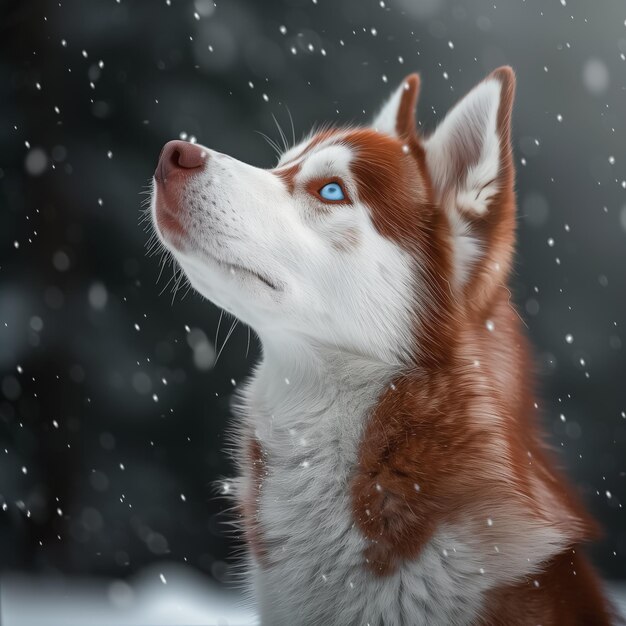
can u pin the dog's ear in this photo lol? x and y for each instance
(397, 115)
(470, 162)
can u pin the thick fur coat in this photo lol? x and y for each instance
(391, 466)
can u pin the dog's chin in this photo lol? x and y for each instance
(240, 293)
(242, 272)
(211, 274)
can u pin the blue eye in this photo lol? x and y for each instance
(332, 191)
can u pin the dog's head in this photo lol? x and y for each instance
(366, 239)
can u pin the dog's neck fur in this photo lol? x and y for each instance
(308, 407)
(298, 385)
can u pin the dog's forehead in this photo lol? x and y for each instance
(341, 145)
(308, 146)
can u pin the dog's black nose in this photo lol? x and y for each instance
(180, 156)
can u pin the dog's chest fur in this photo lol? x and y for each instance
(309, 427)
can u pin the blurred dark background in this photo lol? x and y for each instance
(112, 408)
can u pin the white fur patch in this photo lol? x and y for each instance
(467, 248)
(331, 160)
(295, 153)
(361, 301)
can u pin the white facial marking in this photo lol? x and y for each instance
(287, 262)
(295, 153)
(327, 161)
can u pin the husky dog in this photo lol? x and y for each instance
(391, 469)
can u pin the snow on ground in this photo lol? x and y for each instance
(166, 595)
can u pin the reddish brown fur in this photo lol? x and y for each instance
(405, 121)
(288, 175)
(451, 440)
(250, 502)
(567, 593)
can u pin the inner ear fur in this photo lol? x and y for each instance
(470, 162)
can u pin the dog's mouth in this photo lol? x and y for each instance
(172, 229)
(236, 268)
(167, 219)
